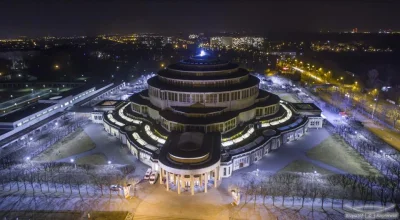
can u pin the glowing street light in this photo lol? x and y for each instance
(109, 162)
(72, 160)
(56, 66)
(202, 53)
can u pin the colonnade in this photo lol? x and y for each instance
(182, 181)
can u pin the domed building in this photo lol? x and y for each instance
(202, 118)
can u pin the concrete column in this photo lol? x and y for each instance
(205, 181)
(192, 184)
(200, 179)
(161, 175)
(167, 181)
(215, 178)
(174, 179)
(179, 184)
(219, 174)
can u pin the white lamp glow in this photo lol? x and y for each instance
(202, 53)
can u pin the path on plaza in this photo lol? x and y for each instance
(106, 144)
(157, 203)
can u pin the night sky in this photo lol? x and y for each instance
(88, 17)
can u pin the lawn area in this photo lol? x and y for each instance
(303, 166)
(75, 143)
(289, 97)
(94, 159)
(116, 215)
(336, 152)
(389, 136)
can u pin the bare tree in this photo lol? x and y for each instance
(302, 189)
(394, 114)
(264, 188)
(333, 181)
(372, 77)
(313, 193)
(383, 192)
(323, 193)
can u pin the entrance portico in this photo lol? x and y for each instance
(181, 182)
(188, 161)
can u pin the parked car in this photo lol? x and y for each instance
(115, 187)
(148, 173)
(153, 177)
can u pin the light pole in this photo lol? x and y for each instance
(72, 161)
(373, 110)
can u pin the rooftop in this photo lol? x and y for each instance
(200, 66)
(171, 116)
(305, 107)
(108, 103)
(191, 150)
(77, 90)
(24, 112)
(173, 75)
(199, 110)
(157, 83)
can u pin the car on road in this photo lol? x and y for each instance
(115, 187)
(148, 173)
(153, 177)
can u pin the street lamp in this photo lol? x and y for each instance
(373, 110)
(109, 162)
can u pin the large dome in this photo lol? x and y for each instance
(204, 93)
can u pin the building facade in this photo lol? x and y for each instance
(205, 98)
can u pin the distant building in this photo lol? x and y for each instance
(221, 42)
(282, 53)
(237, 42)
